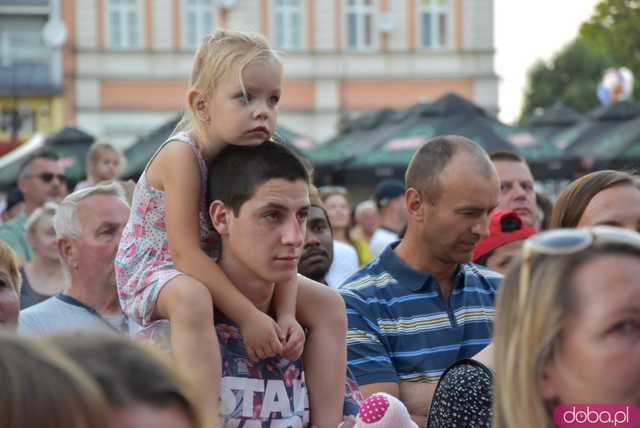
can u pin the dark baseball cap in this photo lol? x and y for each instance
(388, 190)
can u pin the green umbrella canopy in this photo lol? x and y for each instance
(139, 154)
(70, 144)
(610, 133)
(545, 128)
(358, 136)
(450, 114)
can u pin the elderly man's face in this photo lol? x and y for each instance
(317, 253)
(102, 219)
(44, 181)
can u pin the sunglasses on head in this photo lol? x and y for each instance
(46, 177)
(563, 242)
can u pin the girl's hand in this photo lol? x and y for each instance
(292, 339)
(261, 336)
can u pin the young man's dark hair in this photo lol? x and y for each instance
(40, 154)
(238, 171)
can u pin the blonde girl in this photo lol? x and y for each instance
(104, 163)
(164, 266)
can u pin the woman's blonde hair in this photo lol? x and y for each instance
(526, 337)
(49, 209)
(9, 259)
(218, 54)
(42, 388)
(96, 151)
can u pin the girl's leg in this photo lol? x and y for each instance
(322, 311)
(188, 305)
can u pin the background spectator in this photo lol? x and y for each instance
(389, 197)
(507, 233)
(104, 163)
(41, 179)
(602, 197)
(566, 328)
(10, 282)
(88, 227)
(44, 275)
(516, 186)
(545, 208)
(338, 206)
(14, 204)
(317, 252)
(367, 219)
(41, 388)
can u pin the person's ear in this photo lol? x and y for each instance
(414, 202)
(219, 215)
(68, 252)
(198, 105)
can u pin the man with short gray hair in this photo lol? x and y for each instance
(88, 227)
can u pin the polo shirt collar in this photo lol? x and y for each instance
(413, 279)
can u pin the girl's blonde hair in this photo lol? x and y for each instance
(9, 259)
(42, 388)
(96, 151)
(526, 337)
(218, 54)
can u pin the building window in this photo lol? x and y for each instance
(124, 24)
(287, 24)
(198, 20)
(360, 25)
(434, 22)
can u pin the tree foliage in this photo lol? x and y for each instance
(611, 37)
(614, 29)
(572, 77)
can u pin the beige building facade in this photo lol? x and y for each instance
(127, 62)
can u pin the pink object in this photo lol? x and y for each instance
(382, 410)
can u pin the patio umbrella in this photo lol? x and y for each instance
(70, 144)
(451, 114)
(356, 137)
(611, 133)
(545, 128)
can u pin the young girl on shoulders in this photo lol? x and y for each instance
(164, 266)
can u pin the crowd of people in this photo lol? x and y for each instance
(229, 291)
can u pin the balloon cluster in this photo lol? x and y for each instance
(616, 85)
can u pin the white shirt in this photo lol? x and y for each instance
(345, 263)
(380, 239)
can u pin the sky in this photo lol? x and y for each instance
(526, 31)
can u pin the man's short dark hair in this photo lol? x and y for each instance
(506, 156)
(40, 154)
(237, 171)
(423, 172)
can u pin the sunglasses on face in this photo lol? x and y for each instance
(46, 177)
(563, 242)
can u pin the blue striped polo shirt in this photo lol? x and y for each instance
(402, 329)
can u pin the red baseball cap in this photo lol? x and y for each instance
(504, 227)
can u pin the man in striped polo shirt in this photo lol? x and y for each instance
(421, 305)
